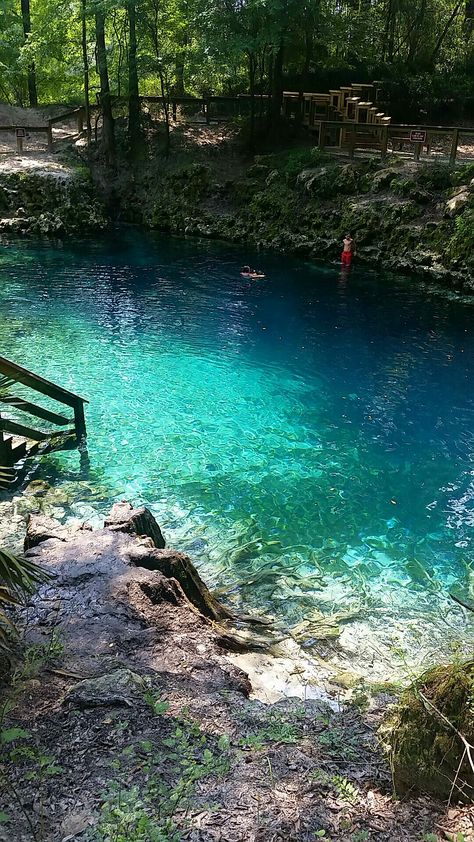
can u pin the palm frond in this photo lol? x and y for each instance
(7, 627)
(19, 574)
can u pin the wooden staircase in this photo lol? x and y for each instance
(19, 440)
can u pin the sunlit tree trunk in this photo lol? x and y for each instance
(439, 43)
(85, 62)
(26, 18)
(108, 133)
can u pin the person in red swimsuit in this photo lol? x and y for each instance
(348, 251)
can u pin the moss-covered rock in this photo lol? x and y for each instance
(426, 752)
(50, 202)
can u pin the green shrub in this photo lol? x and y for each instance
(434, 176)
(463, 175)
(461, 244)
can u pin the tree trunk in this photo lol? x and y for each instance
(166, 108)
(389, 35)
(252, 68)
(179, 66)
(277, 86)
(468, 23)
(108, 133)
(443, 34)
(32, 92)
(134, 130)
(85, 62)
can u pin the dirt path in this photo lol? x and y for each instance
(34, 143)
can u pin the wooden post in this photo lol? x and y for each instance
(417, 151)
(49, 132)
(80, 121)
(206, 111)
(79, 421)
(3, 451)
(383, 142)
(322, 132)
(19, 143)
(352, 142)
(454, 147)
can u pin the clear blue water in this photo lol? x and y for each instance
(307, 438)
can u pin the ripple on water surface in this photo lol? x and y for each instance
(307, 438)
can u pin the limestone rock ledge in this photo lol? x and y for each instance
(120, 602)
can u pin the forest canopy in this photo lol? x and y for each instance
(422, 49)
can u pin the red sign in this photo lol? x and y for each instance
(418, 136)
(21, 132)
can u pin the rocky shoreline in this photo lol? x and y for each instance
(127, 712)
(409, 218)
(127, 685)
(330, 655)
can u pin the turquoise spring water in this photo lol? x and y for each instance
(308, 439)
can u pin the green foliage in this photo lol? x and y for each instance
(434, 176)
(37, 656)
(277, 729)
(344, 789)
(170, 767)
(455, 837)
(423, 51)
(461, 244)
(125, 817)
(18, 577)
(18, 749)
(463, 175)
(158, 705)
(301, 159)
(335, 740)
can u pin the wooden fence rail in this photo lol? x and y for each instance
(356, 135)
(377, 136)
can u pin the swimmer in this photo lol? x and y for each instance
(254, 274)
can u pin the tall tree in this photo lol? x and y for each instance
(26, 18)
(108, 127)
(85, 61)
(134, 128)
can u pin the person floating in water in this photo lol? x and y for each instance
(247, 272)
(348, 251)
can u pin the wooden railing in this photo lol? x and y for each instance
(30, 437)
(377, 136)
